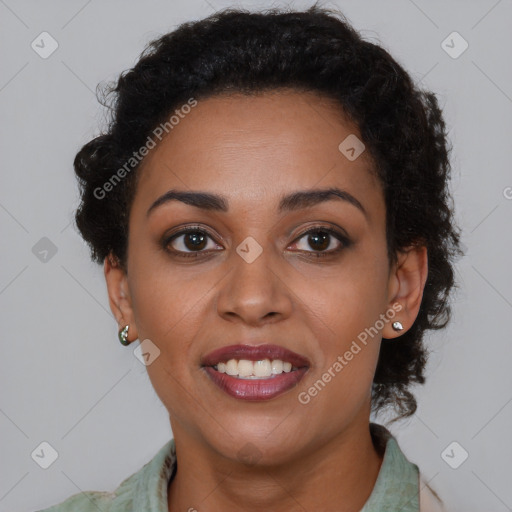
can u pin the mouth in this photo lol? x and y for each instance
(250, 372)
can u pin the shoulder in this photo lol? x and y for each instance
(88, 501)
(140, 491)
(92, 501)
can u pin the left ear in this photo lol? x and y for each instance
(406, 283)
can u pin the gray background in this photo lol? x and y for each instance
(64, 377)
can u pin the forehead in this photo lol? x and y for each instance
(254, 148)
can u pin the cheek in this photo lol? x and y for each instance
(345, 298)
(344, 321)
(159, 297)
(166, 304)
(171, 305)
(343, 312)
(348, 350)
(169, 310)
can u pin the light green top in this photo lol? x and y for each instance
(396, 488)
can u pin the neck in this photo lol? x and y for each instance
(339, 476)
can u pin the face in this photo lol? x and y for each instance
(309, 275)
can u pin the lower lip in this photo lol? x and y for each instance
(256, 389)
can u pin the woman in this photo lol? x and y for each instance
(270, 203)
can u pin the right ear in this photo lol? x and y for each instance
(119, 295)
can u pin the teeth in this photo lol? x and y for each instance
(232, 367)
(246, 369)
(277, 366)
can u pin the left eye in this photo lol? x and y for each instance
(322, 240)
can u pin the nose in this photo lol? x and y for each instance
(255, 292)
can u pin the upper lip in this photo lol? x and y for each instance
(254, 353)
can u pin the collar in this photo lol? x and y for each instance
(396, 487)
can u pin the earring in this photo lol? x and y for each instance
(123, 335)
(397, 326)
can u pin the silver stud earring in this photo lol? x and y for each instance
(123, 335)
(397, 326)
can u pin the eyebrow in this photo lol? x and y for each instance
(292, 202)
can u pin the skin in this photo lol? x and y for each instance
(254, 150)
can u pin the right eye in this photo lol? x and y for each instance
(188, 241)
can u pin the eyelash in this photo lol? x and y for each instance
(345, 242)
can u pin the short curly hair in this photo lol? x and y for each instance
(316, 50)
